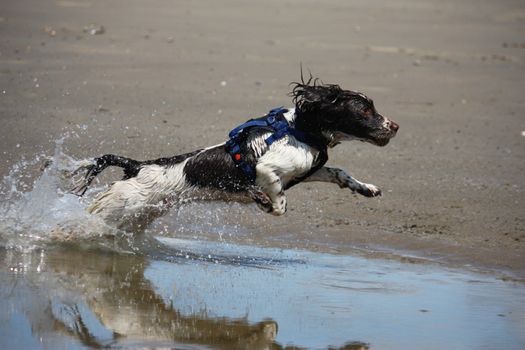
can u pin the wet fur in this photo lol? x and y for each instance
(325, 112)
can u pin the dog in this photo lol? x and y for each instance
(262, 159)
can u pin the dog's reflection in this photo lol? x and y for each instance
(103, 299)
(122, 308)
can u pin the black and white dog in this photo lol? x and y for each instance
(257, 170)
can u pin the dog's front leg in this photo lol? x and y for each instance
(270, 183)
(341, 178)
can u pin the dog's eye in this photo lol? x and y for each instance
(367, 112)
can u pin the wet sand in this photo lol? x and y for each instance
(169, 77)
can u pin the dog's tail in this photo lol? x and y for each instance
(94, 167)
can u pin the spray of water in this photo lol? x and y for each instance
(40, 210)
(43, 211)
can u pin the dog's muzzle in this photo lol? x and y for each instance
(390, 130)
(391, 125)
(394, 126)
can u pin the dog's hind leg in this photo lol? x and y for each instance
(341, 178)
(262, 200)
(92, 169)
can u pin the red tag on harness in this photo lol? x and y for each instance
(237, 157)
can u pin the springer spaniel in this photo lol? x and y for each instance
(248, 167)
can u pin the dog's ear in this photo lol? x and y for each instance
(333, 94)
(312, 94)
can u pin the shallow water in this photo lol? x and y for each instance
(85, 285)
(218, 295)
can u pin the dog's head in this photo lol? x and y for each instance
(339, 114)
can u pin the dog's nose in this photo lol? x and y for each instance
(394, 126)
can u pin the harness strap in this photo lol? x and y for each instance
(234, 149)
(248, 124)
(274, 120)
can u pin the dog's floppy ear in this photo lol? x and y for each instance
(314, 96)
(334, 93)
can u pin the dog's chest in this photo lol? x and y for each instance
(290, 160)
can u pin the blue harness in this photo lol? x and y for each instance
(274, 120)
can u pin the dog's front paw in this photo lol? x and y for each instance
(279, 206)
(278, 211)
(369, 190)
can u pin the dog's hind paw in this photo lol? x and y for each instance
(82, 177)
(79, 188)
(369, 190)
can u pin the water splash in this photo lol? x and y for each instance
(36, 210)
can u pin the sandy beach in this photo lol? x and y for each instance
(157, 78)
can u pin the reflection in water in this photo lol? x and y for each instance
(104, 299)
(120, 305)
(191, 294)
